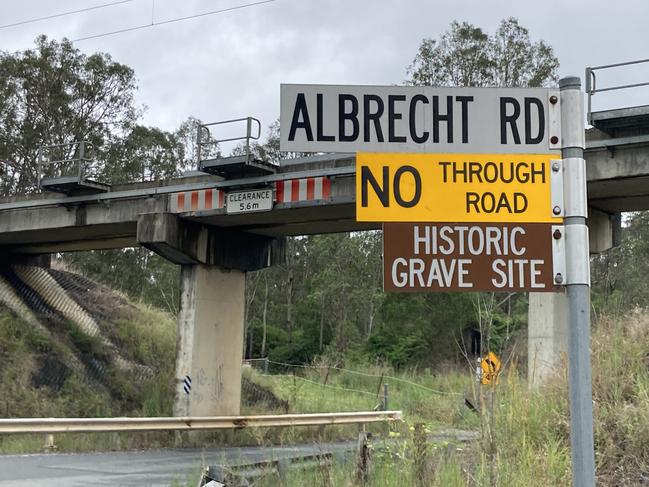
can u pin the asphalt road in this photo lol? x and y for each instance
(154, 468)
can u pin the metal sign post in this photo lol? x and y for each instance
(578, 282)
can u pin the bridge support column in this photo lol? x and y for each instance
(210, 341)
(547, 336)
(604, 230)
(212, 304)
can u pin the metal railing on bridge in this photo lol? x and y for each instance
(66, 168)
(239, 165)
(591, 82)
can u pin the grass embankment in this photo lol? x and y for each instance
(35, 382)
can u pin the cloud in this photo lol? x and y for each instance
(231, 64)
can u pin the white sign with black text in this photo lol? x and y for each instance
(249, 201)
(419, 119)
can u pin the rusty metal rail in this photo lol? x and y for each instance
(87, 425)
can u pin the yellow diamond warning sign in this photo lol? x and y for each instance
(490, 366)
(455, 187)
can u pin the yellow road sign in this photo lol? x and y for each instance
(455, 188)
(490, 366)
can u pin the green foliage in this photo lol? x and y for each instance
(145, 154)
(137, 272)
(150, 335)
(299, 351)
(621, 397)
(467, 56)
(54, 94)
(619, 274)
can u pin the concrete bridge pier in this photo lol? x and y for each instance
(210, 341)
(214, 263)
(547, 336)
(547, 316)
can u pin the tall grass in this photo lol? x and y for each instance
(528, 440)
(144, 333)
(422, 396)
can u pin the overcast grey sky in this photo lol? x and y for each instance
(231, 64)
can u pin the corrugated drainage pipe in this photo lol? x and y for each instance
(13, 301)
(46, 286)
(53, 294)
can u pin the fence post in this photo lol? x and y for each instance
(385, 396)
(39, 158)
(248, 133)
(363, 464)
(49, 442)
(420, 454)
(199, 129)
(82, 155)
(266, 366)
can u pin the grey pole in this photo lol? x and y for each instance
(578, 282)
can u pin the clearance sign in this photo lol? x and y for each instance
(454, 187)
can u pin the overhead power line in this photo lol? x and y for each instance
(63, 14)
(179, 19)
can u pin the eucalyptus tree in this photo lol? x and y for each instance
(55, 94)
(465, 55)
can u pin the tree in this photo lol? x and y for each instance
(144, 154)
(54, 94)
(619, 274)
(467, 56)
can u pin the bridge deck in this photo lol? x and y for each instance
(617, 173)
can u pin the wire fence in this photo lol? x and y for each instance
(320, 387)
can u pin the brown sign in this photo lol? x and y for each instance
(468, 257)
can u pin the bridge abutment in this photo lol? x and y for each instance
(210, 341)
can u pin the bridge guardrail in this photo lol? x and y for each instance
(77, 161)
(105, 425)
(591, 82)
(251, 134)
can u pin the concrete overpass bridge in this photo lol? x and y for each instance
(314, 194)
(186, 221)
